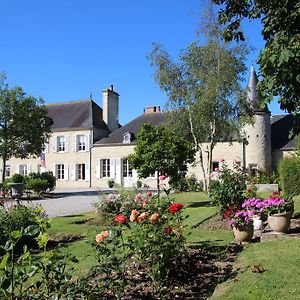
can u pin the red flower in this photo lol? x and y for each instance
(120, 218)
(175, 207)
(168, 230)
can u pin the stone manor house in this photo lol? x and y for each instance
(88, 146)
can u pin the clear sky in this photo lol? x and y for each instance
(64, 50)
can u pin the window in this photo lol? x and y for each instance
(81, 144)
(105, 171)
(23, 170)
(60, 171)
(126, 168)
(215, 165)
(80, 169)
(7, 171)
(61, 144)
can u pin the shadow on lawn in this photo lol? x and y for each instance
(200, 204)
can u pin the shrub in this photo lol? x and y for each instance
(186, 184)
(264, 178)
(289, 171)
(51, 180)
(110, 183)
(37, 185)
(227, 191)
(20, 217)
(17, 178)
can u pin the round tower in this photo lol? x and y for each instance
(258, 134)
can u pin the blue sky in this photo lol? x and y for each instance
(64, 50)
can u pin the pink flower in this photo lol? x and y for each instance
(149, 194)
(145, 202)
(138, 197)
(162, 177)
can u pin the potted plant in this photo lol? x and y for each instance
(241, 223)
(111, 183)
(280, 212)
(257, 206)
(17, 186)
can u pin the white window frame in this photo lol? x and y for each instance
(60, 171)
(61, 143)
(23, 170)
(81, 142)
(126, 168)
(105, 169)
(81, 172)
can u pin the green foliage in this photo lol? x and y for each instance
(37, 185)
(262, 177)
(19, 217)
(51, 180)
(110, 183)
(160, 149)
(17, 178)
(289, 172)
(280, 57)
(228, 190)
(186, 184)
(24, 124)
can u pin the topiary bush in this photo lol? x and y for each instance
(17, 178)
(289, 171)
(37, 185)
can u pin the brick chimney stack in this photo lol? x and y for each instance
(111, 108)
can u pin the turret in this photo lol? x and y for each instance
(258, 134)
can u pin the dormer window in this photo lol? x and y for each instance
(127, 138)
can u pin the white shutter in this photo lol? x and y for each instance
(54, 170)
(112, 166)
(18, 169)
(28, 169)
(54, 146)
(75, 143)
(87, 142)
(98, 169)
(73, 174)
(66, 144)
(66, 177)
(87, 172)
(118, 170)
(46, 147)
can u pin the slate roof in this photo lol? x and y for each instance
(116, 137)
(76, 115)
(281, 126)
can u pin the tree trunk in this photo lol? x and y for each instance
(157, 184)
(3, 167)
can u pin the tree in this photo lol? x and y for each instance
(204, 92)
(279, 60)
(158, 149)
(24, 126)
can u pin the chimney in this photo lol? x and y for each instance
(150, 109)
(111, 108)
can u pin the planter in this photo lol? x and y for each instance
(16, 190)
(243, 233)
(258, 223)
(280, 223)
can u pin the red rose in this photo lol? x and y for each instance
(175, 207)
(168, 230)
(120, 218)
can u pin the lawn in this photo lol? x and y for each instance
(280, 259)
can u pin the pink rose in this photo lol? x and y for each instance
(162, 177)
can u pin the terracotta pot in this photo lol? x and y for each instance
(280, 222)
(243, 233)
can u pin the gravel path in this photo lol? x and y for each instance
(66, 202)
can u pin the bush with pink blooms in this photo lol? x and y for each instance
(146, 241)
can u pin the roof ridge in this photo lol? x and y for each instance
(69, 102)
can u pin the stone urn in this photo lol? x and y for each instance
(280, 223)
(243, 233)
(16, 190)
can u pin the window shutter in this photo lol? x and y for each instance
(66, 177)
(46, 147)
(87, 142)
(73, 175)
(66, 144)
(112, 166)
(54, 170)
(28, 169)
(54, 146)
(18, 169)
(75, 143)
(98, 169)
(87, 172)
